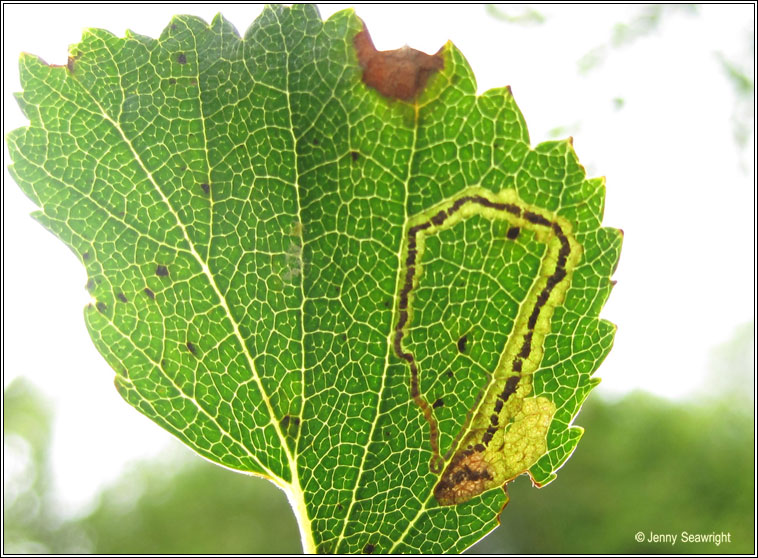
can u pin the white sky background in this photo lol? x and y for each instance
(676, 184)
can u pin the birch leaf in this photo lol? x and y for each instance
(333, 267)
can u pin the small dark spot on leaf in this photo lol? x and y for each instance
(191, 348)
(296, 420)
(150, 293)
(315, 141)
(121, 297)
(102, 307)
(173, 27)
(387, 433)
(339, 506)
(285, 421)
(193, 82)
(182, 59)
(439, 403)
(368, 549)
(85, 256)
(513, 233)
(449, 373)
(343, 337)
(70, 64)
(206, 188)
(90, 286)
(462, 343)
(172, 81)
(387, 303)
(355, 155)
(164, 364)
(161, 271)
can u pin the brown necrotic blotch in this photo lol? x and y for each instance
(396, 74)
(466, 476)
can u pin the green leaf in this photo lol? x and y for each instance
(378, 296)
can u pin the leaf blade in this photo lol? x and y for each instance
(259, 197)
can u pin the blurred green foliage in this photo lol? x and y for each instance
(177, 504)
(522, 15)
(646, 21)
(645, 464)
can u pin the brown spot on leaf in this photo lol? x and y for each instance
(121, 297)
(102, 307)
(206, 188)
(161, 271)
(369, 548)
(466, 476)
(396, 74)
(182, 59)
(355, 155)
(172, 81)
(439, 403)
(150, 293)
